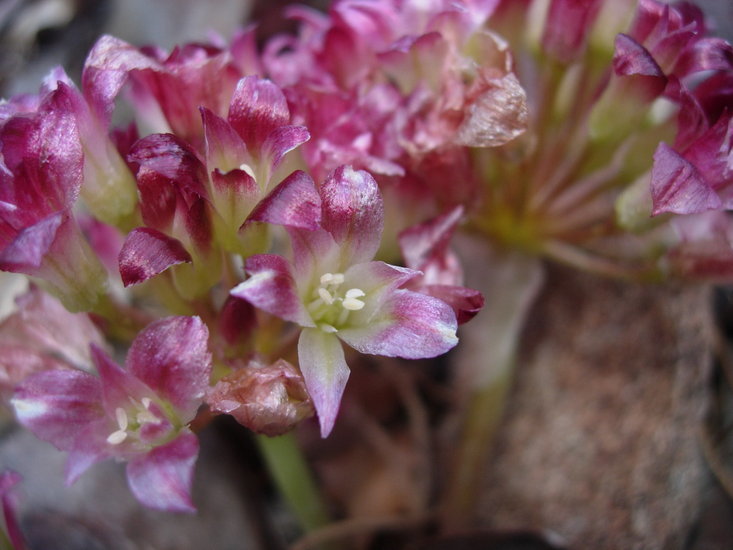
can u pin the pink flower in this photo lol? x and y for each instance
(139, 414)
(335, 292)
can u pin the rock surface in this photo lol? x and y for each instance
(600, 440)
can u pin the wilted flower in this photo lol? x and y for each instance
(139, 414)
(267, 399)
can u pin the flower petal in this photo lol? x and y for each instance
(325, 372)
(271, 287)
(677, 186)
(57, 404)
(409, 325)
(26, 252)
(282, 140)
(162, 478)
(225, 149)
(295, 202)
(172, 357)
(105, 71)
(118, 385)
(148, 252)
(258, 107)
(353, 213)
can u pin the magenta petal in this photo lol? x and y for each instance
(105, 71)
(118, 385)
(148, 252)
(429, 241)
(9, 508)
(281, 140)
(677, 186)
(466, 302)
(26, 252)
(631, 58)
(172, 357)
(295, 202)
(237, 320)
(258, 107)
(271, 287)
(353, 213)
(90, 447)
(162, 478)
(409, 325)
(58, 404)
(325, 372)
(225, 149)
(567, 26)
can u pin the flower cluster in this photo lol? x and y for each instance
(310, 190)
(170, 237)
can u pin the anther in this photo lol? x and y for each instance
(325, 295)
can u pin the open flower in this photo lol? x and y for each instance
(335, 292)
(139, 414)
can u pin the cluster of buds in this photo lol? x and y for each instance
(310, 190)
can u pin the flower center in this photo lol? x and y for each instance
(129, 425)
(331, 306)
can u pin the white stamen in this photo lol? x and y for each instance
(146, 402)
(338, 278)
(325, 327)
(354, 293)
(115, 438)
(121, 417)
(326, 278)
(244, 167)
(352, 304)
(325, 295)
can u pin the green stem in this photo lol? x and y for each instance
(486, 361)
(294, 479)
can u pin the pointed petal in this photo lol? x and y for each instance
(567, 26)
(57, 404)
(172, 357)
(295, 202)
(378, 280)
(353, 213)
(409, 325)
(271, 287)
(466, 302)
(258, 108)
(89, 448)
(26, 252)
(282, 140)
(118, 385)
(237, 320)
(148, 252)
(428, 241)
(677, 186)
(324, 369)
(105, 71)
(225, 149)
(162, 478)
